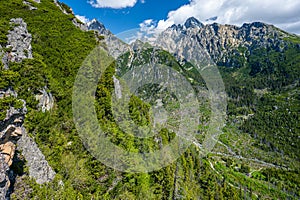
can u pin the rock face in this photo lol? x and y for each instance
(18, 43)
(223, 43)
(192, 22)
(8, 150)
(115, 46)
(118, 91)
(39, 168)
(13, 136)
(11, 129)
(98, 26)
(59, 5)
(80, 25)
(46, 100)
(4, 180)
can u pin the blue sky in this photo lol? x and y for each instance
(123, 15)
(119, 20)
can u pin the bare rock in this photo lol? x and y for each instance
(46, 100)
(8, 151)
(118, 91)
(4, 179)
(39, 169)
(18, 43)
(80, 25)
(12, 134)
(29, 5)
(7, 93)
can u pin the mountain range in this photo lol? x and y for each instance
(42, 47)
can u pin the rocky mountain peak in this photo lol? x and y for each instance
(223, 42)
(192, 22)
(178, 27)
(98, 26)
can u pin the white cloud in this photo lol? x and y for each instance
(146, 32)
(143, 1)
(147, 25)
(117, 4)
(82, 18)
(284, 14)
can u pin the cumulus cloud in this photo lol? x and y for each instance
(148, 26)
(82, 18)
(117, 4)
(146, 32)
(284, 14)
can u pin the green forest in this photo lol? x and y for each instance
(262, 125)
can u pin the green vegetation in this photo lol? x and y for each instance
(262, 125)
(6, 103)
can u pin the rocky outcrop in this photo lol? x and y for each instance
(79, 24)
(29, 5)
(7, 93)
(4, 58)
(63, 7)
(8, 151)
(2, 53)
(4, 179)
(11, 130)
(115, 46)
(18, 43)
(46, 100)
(118, 91)
(13, 136)
(39, 169)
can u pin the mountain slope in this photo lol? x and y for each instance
(243, 164)
(254, 86)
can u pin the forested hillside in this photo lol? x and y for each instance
(256, 157)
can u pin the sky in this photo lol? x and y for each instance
(124, 15)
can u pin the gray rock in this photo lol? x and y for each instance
(7, 93)
(82, 26)
(4, 59)
(4, 179)
(46, 100)
(223, 43)
(12, 132)
(98, 26)
(39, 169)
(18, 43)
(192, 22)
(2, 53)
(115, 46)
(118, 91)
(29, 5)
(57, 3)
